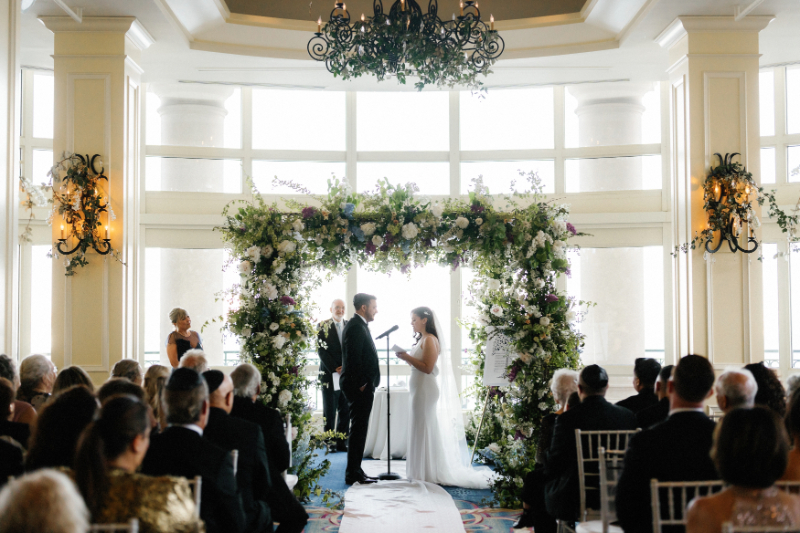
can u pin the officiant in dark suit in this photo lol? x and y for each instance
(329, 343)
(360, 376)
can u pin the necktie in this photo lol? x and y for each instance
(339, 331)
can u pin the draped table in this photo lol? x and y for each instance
(376, 446)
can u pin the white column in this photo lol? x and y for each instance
(9, 156)
(192, 115)
(611, 114)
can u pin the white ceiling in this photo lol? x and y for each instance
(626, 31)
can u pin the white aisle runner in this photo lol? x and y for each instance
(401, 506)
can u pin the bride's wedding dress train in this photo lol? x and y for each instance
(437, 447)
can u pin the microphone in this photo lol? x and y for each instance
(386, 333)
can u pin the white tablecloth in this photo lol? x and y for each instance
(376, 434)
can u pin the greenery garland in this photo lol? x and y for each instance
(517, 254)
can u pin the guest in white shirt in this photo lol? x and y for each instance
(329, 348)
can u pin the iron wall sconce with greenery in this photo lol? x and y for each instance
(79, 201)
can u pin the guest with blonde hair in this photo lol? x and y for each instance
(70, 376)
(128, 369)
(44, 502)
(154, 380)
(183, 338)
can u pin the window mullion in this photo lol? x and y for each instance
(781, 170)
(247, 135)
(559, 138)
(351, 157)
(784, 309)
(455, 147)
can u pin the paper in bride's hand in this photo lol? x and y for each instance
(397, 349)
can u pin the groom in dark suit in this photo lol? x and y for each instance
(329, 341)
(360, 375)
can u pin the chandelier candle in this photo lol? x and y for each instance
(406, 42)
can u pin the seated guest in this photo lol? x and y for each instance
(196, 360)
(230, 433)
(735, 388)
(60, 424)
(770, 389)
(154, 380)
(573, 402)
(247, 387)
(37, 375)
(750, 452)
(13, 435)
(128, 369)
(23, 411)
(658, 412)
(70, 376)
(561, 468)
(563, 386)
(118, 387)
(792, 384)
(792, 472)
(181, 450)
(645, 374)
(44, 502)
(17, 431)
(110, 451)
(674, 450)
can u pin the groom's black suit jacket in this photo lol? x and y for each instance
(359, 357)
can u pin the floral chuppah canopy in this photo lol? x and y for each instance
(516, 255)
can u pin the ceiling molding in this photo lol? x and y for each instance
(90, 24)
(139, 36)
(684, 25)
(246, 50)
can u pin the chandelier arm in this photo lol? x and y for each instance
(107, 248)
(64, 252)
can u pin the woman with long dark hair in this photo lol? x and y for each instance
(437, 445)
(110, 451)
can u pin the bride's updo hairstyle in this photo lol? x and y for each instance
(430, 327)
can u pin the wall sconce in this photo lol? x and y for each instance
(728, 191)
(81, 204)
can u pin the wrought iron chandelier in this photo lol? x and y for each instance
(405, 42)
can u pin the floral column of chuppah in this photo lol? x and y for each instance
(517, 255)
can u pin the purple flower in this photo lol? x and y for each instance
(370, 248)
(512, 374)
(568, 272)
(519, 436)
(388, 239)
(309, 212)
(243, 229)
(477, 208)
(457, 262)
(550, 298)
(571, 229)
(495, 391)
(293, 370)
(405, 268)
(288, 300)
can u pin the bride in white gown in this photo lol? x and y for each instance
(437, 446)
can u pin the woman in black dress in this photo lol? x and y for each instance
(182, 339)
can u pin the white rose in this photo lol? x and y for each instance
(267, 251)
(377, 240)
(485, 320)
(410, 230)
(298, 225)
(437, 210)
(245, 267)
(496, 310)
(462, 222)
(478, 221)
(368, 228)
(560, 227)
(284, 397)
(278, 341)
(538, 283)
(571, 315)
(526, 358)
(494, 447)
(287, 246)
(493, 284)
(270, 291)
(274, 326)
(246, 332)
(544, 321)
(318, 240)
(279, 266)
(254, 253)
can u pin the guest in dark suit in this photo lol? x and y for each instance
(735, 388)
(329, 342)
(246, 387)
(252, 470)
(360, 376)
(658, 412)
(563, 385)
(181, 450)
(674, 450)
(645, 374)
(562, 496)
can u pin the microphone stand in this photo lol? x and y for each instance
(389, 475)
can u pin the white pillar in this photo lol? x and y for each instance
(9, 156)
(611, 114)
(192, 115)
